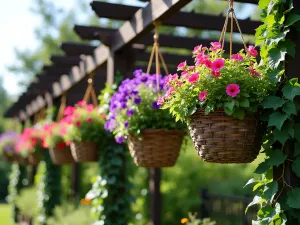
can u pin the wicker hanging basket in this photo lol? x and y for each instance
(34, 159)
(61, 156)
(158, 148)
(220, 138)
(84, 151)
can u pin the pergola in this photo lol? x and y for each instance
(122, 50)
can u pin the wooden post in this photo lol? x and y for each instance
(204, 212)
(75, 180)
(155, 196)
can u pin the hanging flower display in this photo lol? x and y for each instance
(135, 116)
(8, 141)
(30, 143)
(85, 129)
(217, 97)
(60, 151)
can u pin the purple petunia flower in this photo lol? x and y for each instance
(120, 139)
(155, 105)
(130, 112)
(126, 124)
(137, 100)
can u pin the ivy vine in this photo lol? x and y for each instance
(279, 200)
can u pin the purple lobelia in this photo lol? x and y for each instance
(7, 142)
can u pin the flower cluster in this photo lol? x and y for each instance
(236, 85)
(8, 141)
(134, 107)
(84, 122)
(54, 135)
(30, 141)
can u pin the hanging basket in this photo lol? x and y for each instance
(158, 148)
(21, 160)
(34, 159)
(61, 156)
(219, 138)
(84, 151)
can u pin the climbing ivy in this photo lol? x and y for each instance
(279, 201)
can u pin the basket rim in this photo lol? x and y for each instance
(202, 111)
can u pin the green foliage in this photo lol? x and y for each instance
(67, 214)
(4, 174)
(207, 88)
(110, 192)
(278, 199)
(26, 201)
(192, 220)
(5, 214)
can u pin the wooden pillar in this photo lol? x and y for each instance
(75, 180)
(155, 196)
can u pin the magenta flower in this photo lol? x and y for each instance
(185, 75)
(232, 90)
(208, 63)
(90, 107)
(160, 101)
(194, 78)
(81, 103)
(89, 120)
(218, 64)
(181, 66)
(170, 91)
(191, 68)
(78, 123)
(202, 95)
(252, 51)
(237, 57)
(215, 46)
(69, 110)
(252, 71)
(216, 74)
(197, 49)
(200, 59)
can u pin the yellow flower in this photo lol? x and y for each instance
(184, 220)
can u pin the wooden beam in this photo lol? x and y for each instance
(95, 33)
(183, 19)
(76, 49)
(63, 60)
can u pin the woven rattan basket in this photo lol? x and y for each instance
(84, 151)
(220, 138)
(61, 156)
(34, 159)
(158, 148)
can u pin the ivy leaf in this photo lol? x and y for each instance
(290, 108)
(292, 18)
(244, 103)
(267, 211)
(263, 4)
(290, 91)
(228, 111)
(277, 119)
(256, 200)
(293, 199)
(296, 149)
(239, 113)
(271, 190)
(262, 168)
(230, 105)
(276, 158)
(297, 131)
(276, 56)
(296, 166)
(272, 102)
(281, 136)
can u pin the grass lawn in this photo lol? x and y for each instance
(5, 214)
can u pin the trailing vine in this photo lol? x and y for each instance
(278, 197)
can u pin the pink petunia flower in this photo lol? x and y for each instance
(202, 95)
(181, 66)
(184, 75)
(78, 123)
(90, 107)
(160, 101)
(81, 103)
(197, 49)
(237, 57)
(194, 78)
(252, 71)
(200, 59)
(218, 64)
(170, 91)
(69, 110)
(215, 46)
(208, 63)
(232, 90)
(89, 120)
(216, 74)
(191, 68)
(252, 51)
(63, 131)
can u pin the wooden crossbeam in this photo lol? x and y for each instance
(95, 33)
(63, 60)
(183, 19)
(76, 49)
(52, 69)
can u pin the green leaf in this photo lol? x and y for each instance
(239, 113)
(228, 111)
(273, 102)
(290, 47)
(263, 4)
(292, 18)
(271, 190)
(262, 168)
(276, 56)
(290, 91)
(258, 185)
(251, 181)
(276, 158)
(293, 199)
(281, 136)
(244, 103)
(230, 105)
(296, 166)
(296, 149)
(267, 211)
(256, 200)
(297, 132)
(290, 108)
(277, 119)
